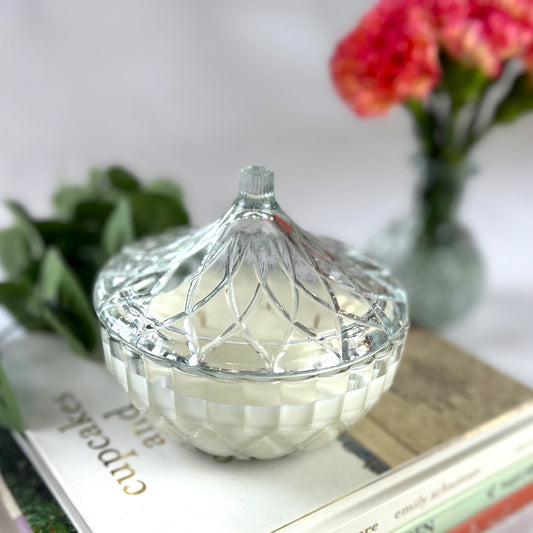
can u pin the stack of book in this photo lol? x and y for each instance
(449, 448)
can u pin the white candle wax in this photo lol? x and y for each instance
(246, 418)
(262, 337)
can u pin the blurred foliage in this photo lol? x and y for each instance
(519, 100)
(9, 412)
(36, 503)
(463, 82)
(51, 264)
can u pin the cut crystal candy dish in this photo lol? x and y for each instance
(250, 337)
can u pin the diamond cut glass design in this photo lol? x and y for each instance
(251, 311)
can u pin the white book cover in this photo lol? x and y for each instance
(112, 470)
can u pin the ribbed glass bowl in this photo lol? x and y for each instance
(250, 337)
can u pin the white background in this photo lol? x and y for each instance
(195, 90)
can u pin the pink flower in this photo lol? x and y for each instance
(392, 55)
(490, 32)
(444, 12)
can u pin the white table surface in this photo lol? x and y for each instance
(196, 90)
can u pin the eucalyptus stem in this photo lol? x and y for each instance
(421, 123)
(442, 164)
(448, 124)
(477, 129)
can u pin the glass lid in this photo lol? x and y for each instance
(251, 294)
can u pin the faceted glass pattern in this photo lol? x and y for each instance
(250, 303)
(247, 418)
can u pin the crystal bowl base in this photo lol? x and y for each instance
(246, 418)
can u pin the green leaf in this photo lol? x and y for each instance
(98, 180)
(67, 308)
(67, 326)
(19, 300)
(10, 416)
(122, 179)
(15, 254)
(58, 284)
(167, 188)
(93, 213)
(119, 229)
(67, 235)
(153, 213)
(518, 101)
(67, 198)
(464, 83)
(79, 242)
(26, 224)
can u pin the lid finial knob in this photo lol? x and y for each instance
(256, 186)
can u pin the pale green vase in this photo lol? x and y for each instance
(431, 253)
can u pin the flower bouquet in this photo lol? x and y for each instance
(458, 67)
